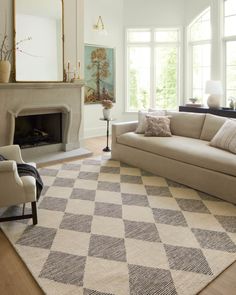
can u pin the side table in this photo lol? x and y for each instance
(218, 112)
(107, 149)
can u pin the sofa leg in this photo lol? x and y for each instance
(34, 213)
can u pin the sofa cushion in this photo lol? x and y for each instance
(186, 124)
(225, 138)
(211, 126)
(188, 150)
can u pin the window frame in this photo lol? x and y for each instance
(189, 48)
(225, 40)
(153, 45)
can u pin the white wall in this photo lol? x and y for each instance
(153, 12)
(6, 19)
(112, 15)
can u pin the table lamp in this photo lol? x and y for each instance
(215, 91)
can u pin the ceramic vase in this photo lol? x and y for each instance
(213, 101)
(5, 71)
(106, 114)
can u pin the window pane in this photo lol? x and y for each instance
(230, 7)
(198, 92)
(167, 36)
(139, 36)
(231, 53)
(201, 29)
(230, 25)
(230, 93)
(230, 17)
(201, 70)
(138, 78)
(166, 77)
(230, 69)
(231, 77)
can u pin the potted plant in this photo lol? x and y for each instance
(5, 57)
(5, 66)
(107, 105)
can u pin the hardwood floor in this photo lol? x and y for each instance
(15, 279)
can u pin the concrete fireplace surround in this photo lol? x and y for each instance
(21, 99)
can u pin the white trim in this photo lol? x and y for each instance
(231, 38)
(225, 40)
(189, 50)
(152, 71)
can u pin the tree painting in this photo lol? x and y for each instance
(99, 74)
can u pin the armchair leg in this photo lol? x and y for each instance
(34, 213)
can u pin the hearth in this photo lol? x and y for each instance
(31, 99)
(38, 130)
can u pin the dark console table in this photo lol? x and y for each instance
(219, 112)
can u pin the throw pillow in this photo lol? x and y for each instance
(158, 126)
(225, 138)
(142, 119)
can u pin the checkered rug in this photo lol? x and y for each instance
(106, 228)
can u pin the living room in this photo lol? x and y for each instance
(117, 147)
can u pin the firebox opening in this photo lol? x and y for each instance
(38, 130)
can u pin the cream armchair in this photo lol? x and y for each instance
(16, 190)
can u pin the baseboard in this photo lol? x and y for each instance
(94, 132)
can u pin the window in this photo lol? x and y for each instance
(199, 42)
(230, 47)
(152, 68)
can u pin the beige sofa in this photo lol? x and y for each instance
(186, 157)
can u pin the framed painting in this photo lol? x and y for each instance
(99, 74)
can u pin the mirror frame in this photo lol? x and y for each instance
(14, 51)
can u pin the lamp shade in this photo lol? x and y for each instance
(214, 87)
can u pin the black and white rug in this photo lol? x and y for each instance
(108, 228)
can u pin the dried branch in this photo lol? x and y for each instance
(6, 52)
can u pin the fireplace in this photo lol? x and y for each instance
(44, 118)
(38, 130)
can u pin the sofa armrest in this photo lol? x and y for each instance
(121, 128)
(117, 130)
(12, 152)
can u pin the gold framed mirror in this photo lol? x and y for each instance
(39, 40)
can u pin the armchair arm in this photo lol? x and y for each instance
(12, 188)
(9, 168)
(6, 166)
(12, 152)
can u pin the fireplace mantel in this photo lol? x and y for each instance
(18, 99)
(42, 85)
